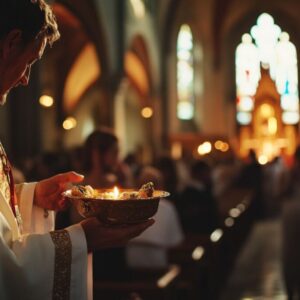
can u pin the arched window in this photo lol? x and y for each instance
(185, 74)
(268, 47)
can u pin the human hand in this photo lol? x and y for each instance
(48, 192)
(99, 235)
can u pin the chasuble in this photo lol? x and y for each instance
(35, 261)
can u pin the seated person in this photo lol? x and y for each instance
(197, 207)
(150, 249)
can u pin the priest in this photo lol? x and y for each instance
(37, 262)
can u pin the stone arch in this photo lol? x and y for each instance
(60, 72)
(78, 19)
(139, 52)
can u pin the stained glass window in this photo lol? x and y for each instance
(286, 66)
(185, 74)
(268, 47)
(247, 67)
(266, 34)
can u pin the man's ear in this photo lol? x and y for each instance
(11, 43)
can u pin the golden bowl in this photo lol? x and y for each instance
(117, 211)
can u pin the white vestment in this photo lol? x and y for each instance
(39, 263)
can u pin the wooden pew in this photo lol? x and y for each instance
(191, 256)
(200, 265)
(140, 284)
(207, 260)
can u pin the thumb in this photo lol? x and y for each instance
(67, 177)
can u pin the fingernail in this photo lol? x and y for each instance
(79, 174)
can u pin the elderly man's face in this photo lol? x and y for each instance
(15, 64)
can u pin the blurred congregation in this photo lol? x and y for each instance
(199, 97)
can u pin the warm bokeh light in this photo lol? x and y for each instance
(147, 112)
(241, 207)
(229, 222)
(234, 212)
(46, 101)
(262, 159)
(198, 253)
(176, 150)
(221, 146)
(218, 145)
(266, 110)
(69, 123)
(204, 148)
(272, 125)
(216, 235)
(225, 147)
(165, 280)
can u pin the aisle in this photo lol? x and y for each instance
(257, 275)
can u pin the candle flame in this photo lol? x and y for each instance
(116, 193)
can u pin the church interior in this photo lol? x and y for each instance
(203, 99)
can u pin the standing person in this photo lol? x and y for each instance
(251, 177)
(197, 206)
(36, 262)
